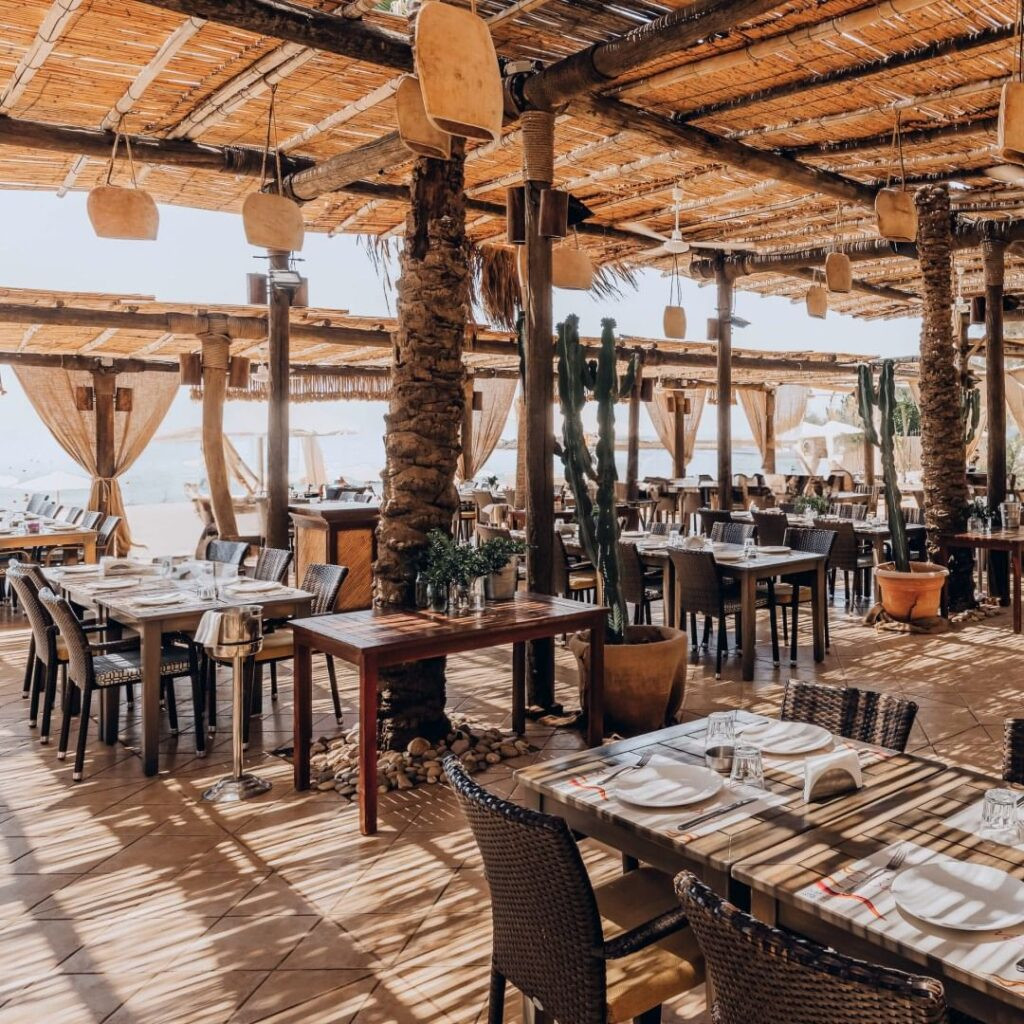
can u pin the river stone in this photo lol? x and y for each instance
(460, 746)
(418, 747)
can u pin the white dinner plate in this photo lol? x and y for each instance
(961, 895)
(159, 600)
(253, 586)
(666, 783)
(120, 584)
(62, 527)
(632, 533)
(728, 556)
(785, 737)
(80, 570)
(774, 549)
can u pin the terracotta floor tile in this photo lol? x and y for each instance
(71, 998)
(245, 944)
(172, 998)
(307, 997)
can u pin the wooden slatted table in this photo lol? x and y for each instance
(377, 637)
(1010, 541)
(805, 885)
(570, 787)
(22, 540)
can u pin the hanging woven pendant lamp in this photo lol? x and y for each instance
(418, 133)
(674, 319)
(894, 207)
(117, 212)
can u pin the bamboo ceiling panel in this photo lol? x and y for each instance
(78, 62)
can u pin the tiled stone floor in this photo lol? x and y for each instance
(129, 900)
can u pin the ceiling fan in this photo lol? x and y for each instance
(674, 244)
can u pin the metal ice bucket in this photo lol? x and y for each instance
(241, 632)
(1010, 512)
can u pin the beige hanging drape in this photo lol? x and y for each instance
(790, 406)
(239, 468)
(755, 405)
(488, 422)
(663, 420)
(52, 394)
(313, 459)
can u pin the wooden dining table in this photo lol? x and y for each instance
(50, 535)
(833, 885)
(1009, 541)
(152, 624)
(377, 637)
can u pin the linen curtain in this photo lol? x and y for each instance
(755, 405)
(790, 406)
(488, 422)
(52, 394)
(663, 420)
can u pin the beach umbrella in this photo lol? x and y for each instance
(57, 481)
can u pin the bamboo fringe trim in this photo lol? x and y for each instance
(538, 145)
(314, 388)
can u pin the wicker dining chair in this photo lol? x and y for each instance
(732, 533)
(105, 535)
(1013, 750)
(586, 955)
(771, 527)
(761, 975)
(47, 508)
(701, 590)
(35, 502)
(848, 557)
(883, 719)
(796, 588)
(106, 666)
(272, 565)
(90, 519)
(707, 517)
(570, 579)
(848, 510)
(639, 588)
(228, 552)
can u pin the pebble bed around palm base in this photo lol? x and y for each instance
(335, 761)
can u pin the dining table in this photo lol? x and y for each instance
(828, 869)
(154, 606)
(49, 534)
(1009, 541)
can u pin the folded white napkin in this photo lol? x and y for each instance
(127, 567)
(208, 630)
(832, 773)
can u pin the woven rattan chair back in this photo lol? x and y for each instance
(485, 532)
(1013, 750)
(48, 508)
(229, 552)
(812, 539)
(913, 514)
(659, 529)
(697, 581)
(707, 517)
(732, 533)
(27, 586)
(761, 975)
(272, 564)
(771, 527)
(324, 583)
(547, 931)
(481, 499)
(90, 520)
(35, 502)
(865, 715)
(560, 567)
(71, 514)
(106, 532)
(79, 656)
(845, 549)
(631, 573)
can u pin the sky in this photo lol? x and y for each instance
(202, 257)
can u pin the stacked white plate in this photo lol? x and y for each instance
(665, 783)
(773, 737)
(960, 895)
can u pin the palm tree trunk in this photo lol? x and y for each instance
(943, 449)
(422, 428)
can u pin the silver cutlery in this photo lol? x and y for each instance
(715, 812)
(892, 865)
(645, 758)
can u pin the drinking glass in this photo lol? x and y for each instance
(720, 740)
(206, 589)
(999, 816)
(747, 767)
(750, 548)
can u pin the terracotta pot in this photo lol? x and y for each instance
(644, 683)
(911, 595)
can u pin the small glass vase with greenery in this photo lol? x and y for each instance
(814, 503)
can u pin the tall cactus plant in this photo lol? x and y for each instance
(883, 398)
(579, 378)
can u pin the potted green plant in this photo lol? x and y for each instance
(644, 666)
(500, 555)
(908, 590)
(815, 503)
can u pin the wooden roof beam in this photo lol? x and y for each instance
(307, 26)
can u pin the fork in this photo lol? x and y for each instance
(893, 864)
(645, 758)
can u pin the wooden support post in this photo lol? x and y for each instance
(104, 385)
(869, 462)
(679, 423)
(520, 451)
(538, 172)
(278, 343)
(724, 385)
(216, 355)
(769, 431)
(633, 438)
(466, 436)
(995, 392)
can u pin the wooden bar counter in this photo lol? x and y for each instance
(338, 533)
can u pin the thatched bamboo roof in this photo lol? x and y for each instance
(813, 82)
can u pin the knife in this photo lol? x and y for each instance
(708, 815)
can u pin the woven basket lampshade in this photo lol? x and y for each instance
(897, 215)
(273, 222)
(117, 212)
(417, 132)
(191, 369)
(458, 72)
(1010, 130)
(124, 399)
(838, 272)
(817, 301)
(674, 322)
(571, 268)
